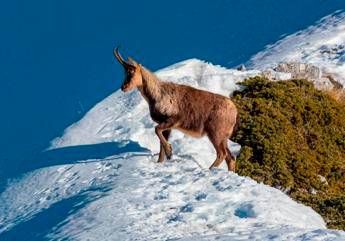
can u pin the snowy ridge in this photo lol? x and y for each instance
(134, 198)
(128, 196)
(322, 44)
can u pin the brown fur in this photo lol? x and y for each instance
(192, 111)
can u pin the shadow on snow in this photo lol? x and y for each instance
(70, 155)
(49, 220)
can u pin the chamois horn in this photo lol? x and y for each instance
(119, 57)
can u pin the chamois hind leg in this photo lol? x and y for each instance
(167, 125)
(230, 159)
(161, 157)
(221, 151)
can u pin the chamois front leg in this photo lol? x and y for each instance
(167, 125)
(166, 134)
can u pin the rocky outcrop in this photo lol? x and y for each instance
(296, 70)
(241, 68)
(299, 70)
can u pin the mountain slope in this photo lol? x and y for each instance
(128, 196)
(322, 44)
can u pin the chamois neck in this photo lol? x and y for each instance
(151, 85)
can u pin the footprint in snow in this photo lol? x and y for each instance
(245, 210)
(175, 218)
(188, 208)
(200, 196)
(221, 186)
(161, 195)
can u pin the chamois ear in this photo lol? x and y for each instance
(132, 61)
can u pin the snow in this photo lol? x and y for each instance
(129, 196)
(322, 44)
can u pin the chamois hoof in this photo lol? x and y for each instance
(232, 167)
(169, 155)
(160, 160)
(168, 151)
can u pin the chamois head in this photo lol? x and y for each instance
(133, 76)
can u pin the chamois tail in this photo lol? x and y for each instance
(236, 126)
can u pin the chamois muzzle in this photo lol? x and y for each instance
(124, 88)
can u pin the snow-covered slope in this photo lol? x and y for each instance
(322, 44)
(128, 196)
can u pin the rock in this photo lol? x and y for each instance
(323, 179)
(300, 70)
(296, 70)
(241, 68)
(312, 191)
(335, 83)
(274, 75)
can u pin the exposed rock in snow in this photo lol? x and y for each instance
(321, 45)
(299, 70)
(242, 67)
(296, 70)
(273, 75)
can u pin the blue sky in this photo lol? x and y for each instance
(56, 56)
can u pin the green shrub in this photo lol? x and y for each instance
(293, 138)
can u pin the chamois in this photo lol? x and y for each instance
(194, 112)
